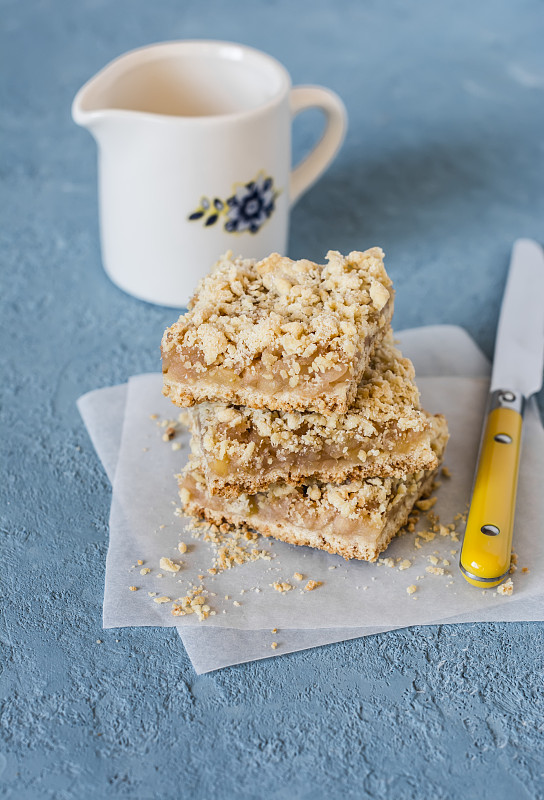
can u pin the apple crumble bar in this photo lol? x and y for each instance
(279, 334)
(355, 519)
(384, 433)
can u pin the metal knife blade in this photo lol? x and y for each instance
(519, 347)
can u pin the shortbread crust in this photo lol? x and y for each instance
(279, 334)
(384, 433)
(356, 519)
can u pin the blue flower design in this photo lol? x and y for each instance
(251, 206)
(247, 209)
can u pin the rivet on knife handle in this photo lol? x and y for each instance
(487, 544)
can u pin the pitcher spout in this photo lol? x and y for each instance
(89, 109)
(110, 93)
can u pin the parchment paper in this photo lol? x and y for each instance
(443, 348)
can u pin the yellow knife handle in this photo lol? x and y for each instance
(487, 544)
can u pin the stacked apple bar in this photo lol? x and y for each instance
(306, 420)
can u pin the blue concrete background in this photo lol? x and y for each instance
(443, 166)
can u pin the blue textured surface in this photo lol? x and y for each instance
(443, 166)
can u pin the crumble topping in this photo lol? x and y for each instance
(278, 308)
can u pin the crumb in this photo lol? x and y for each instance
(281, 586)
(333, 567)
(182, 547)
(99, 641)
(445, 472)
(145, 571)
(445, 562)
(139, 562)
(434, 570)
(227, 597)
(525, 570)
(274, 645)
(513, 558)
(236, 603)
(212, 571)
(298, 576)
(152, 594)
(274, 630)
(506, 588)
(311, 585)
(176, 445)
(411, 589)
(153, 416)
(193, 603)
(133, 588)
(405, 564)
(162, 599)
(433, 559)
(169, 433)
(426, 505)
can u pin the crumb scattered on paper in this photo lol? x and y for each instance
(434, 570)
(168, 565)
(281, 586)
(194, 602)
(506, 588)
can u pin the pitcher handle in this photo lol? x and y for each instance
(312, 167)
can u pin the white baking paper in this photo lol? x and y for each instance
(440, 349)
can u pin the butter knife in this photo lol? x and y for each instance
(517, 374)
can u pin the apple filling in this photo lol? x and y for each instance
(284, 374)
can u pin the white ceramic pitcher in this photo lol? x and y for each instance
(194, 147)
